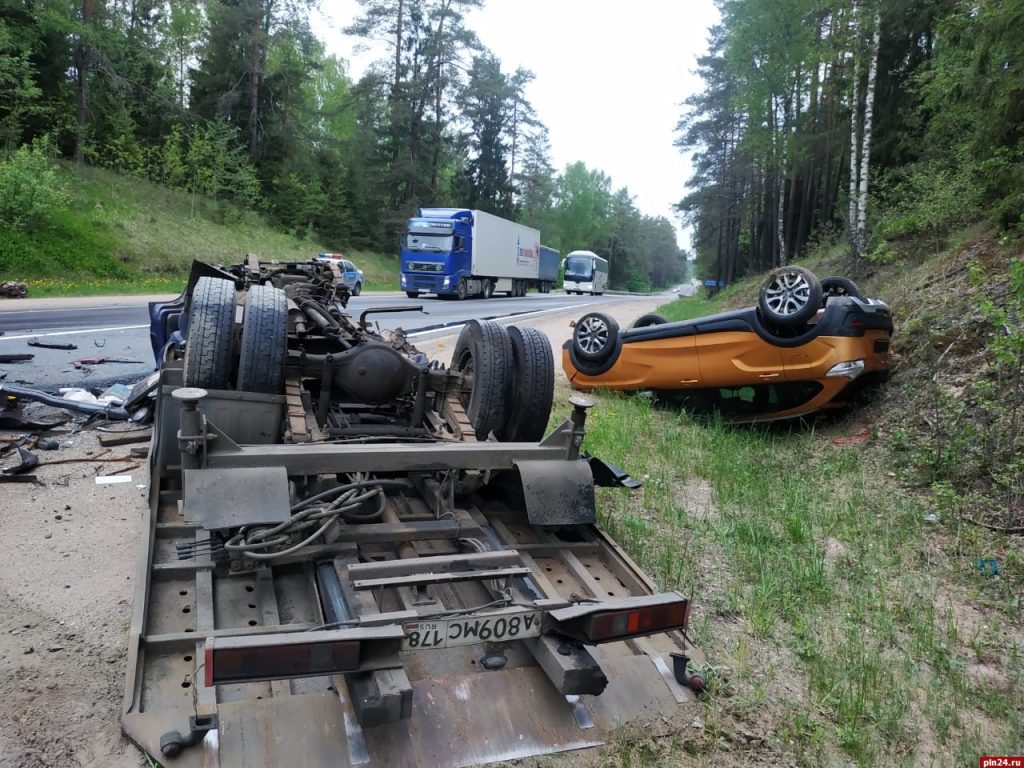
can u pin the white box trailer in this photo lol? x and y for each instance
(504, 252)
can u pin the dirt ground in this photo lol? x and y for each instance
(68, 549)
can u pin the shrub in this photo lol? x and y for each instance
(31, 192)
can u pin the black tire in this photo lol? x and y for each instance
(839, 286)
(460, 292)
(264, 341)
(485, 350)
(357, 289)
(413, 294)
(652, 319)
(209, 345)
(488, 289)
(790, 296)
(594, 337)
(533, 386)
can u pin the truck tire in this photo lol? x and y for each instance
(533, 386)
(264, 341)
(413, 294)
(460, 292)
(209, 347)
(484, 350)
(488, 289)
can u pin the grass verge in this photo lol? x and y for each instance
(128, 235)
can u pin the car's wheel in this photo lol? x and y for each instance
(533, 386)
(488, 289)
(840, 286)
(484, 352)
(652, 319)
(413, 294)
(264, 341)
(594, 337)
(357, 289)
(790, 296)
(209, 347)
(460, 292)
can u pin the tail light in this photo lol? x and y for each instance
(252, 658)
(604, 622)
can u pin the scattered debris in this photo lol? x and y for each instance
(19, 418)
(859, 437)
(111, 479)
(931, 518)
(123, 438)
(16, 358)
(10, 289)
(83, 362)
(111, 411)
(28, 461)
(47, 444)
(988, 566)
(51, 345)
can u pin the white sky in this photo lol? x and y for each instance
(610, 78)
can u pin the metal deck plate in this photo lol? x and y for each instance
(225, 498)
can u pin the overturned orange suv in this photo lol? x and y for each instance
(808, 345)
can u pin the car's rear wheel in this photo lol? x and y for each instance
(533, 386)
(357, 289)
(840, 286)
(484, 352)
(651, 319)
(264, 341)
(594, 337)
(790, 296)
(209, 346)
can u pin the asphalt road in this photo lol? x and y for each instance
(108, 329)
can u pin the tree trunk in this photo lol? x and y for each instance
(851, 221)
(865, 147)
(396, 86)
(82, 62)
(255, 57)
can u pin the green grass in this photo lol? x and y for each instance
(813, 558)
(127, 235)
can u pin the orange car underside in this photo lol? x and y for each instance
(732, 359)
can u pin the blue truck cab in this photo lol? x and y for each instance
(436, 251)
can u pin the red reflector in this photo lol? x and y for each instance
(231, 661)
(615, 625)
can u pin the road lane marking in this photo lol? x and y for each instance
(457, 324)
(73, 333)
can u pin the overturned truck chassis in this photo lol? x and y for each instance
(324, 585)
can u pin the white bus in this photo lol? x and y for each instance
(585, 272)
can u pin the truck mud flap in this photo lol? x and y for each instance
(558, 493)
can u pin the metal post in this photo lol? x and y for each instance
(192, 431)
(580, 404)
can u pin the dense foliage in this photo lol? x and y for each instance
(881, 119)
(238, 101)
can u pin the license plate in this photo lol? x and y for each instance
(448, 633)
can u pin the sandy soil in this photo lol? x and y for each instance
(68, 548)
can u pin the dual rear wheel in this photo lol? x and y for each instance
(512, 379)
(213, 358)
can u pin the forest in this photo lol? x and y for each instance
(238, 102)
(880, 125)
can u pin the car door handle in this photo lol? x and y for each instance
(689, 381)
(768, 376)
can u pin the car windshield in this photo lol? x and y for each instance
(419, 241)
(579, 267)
